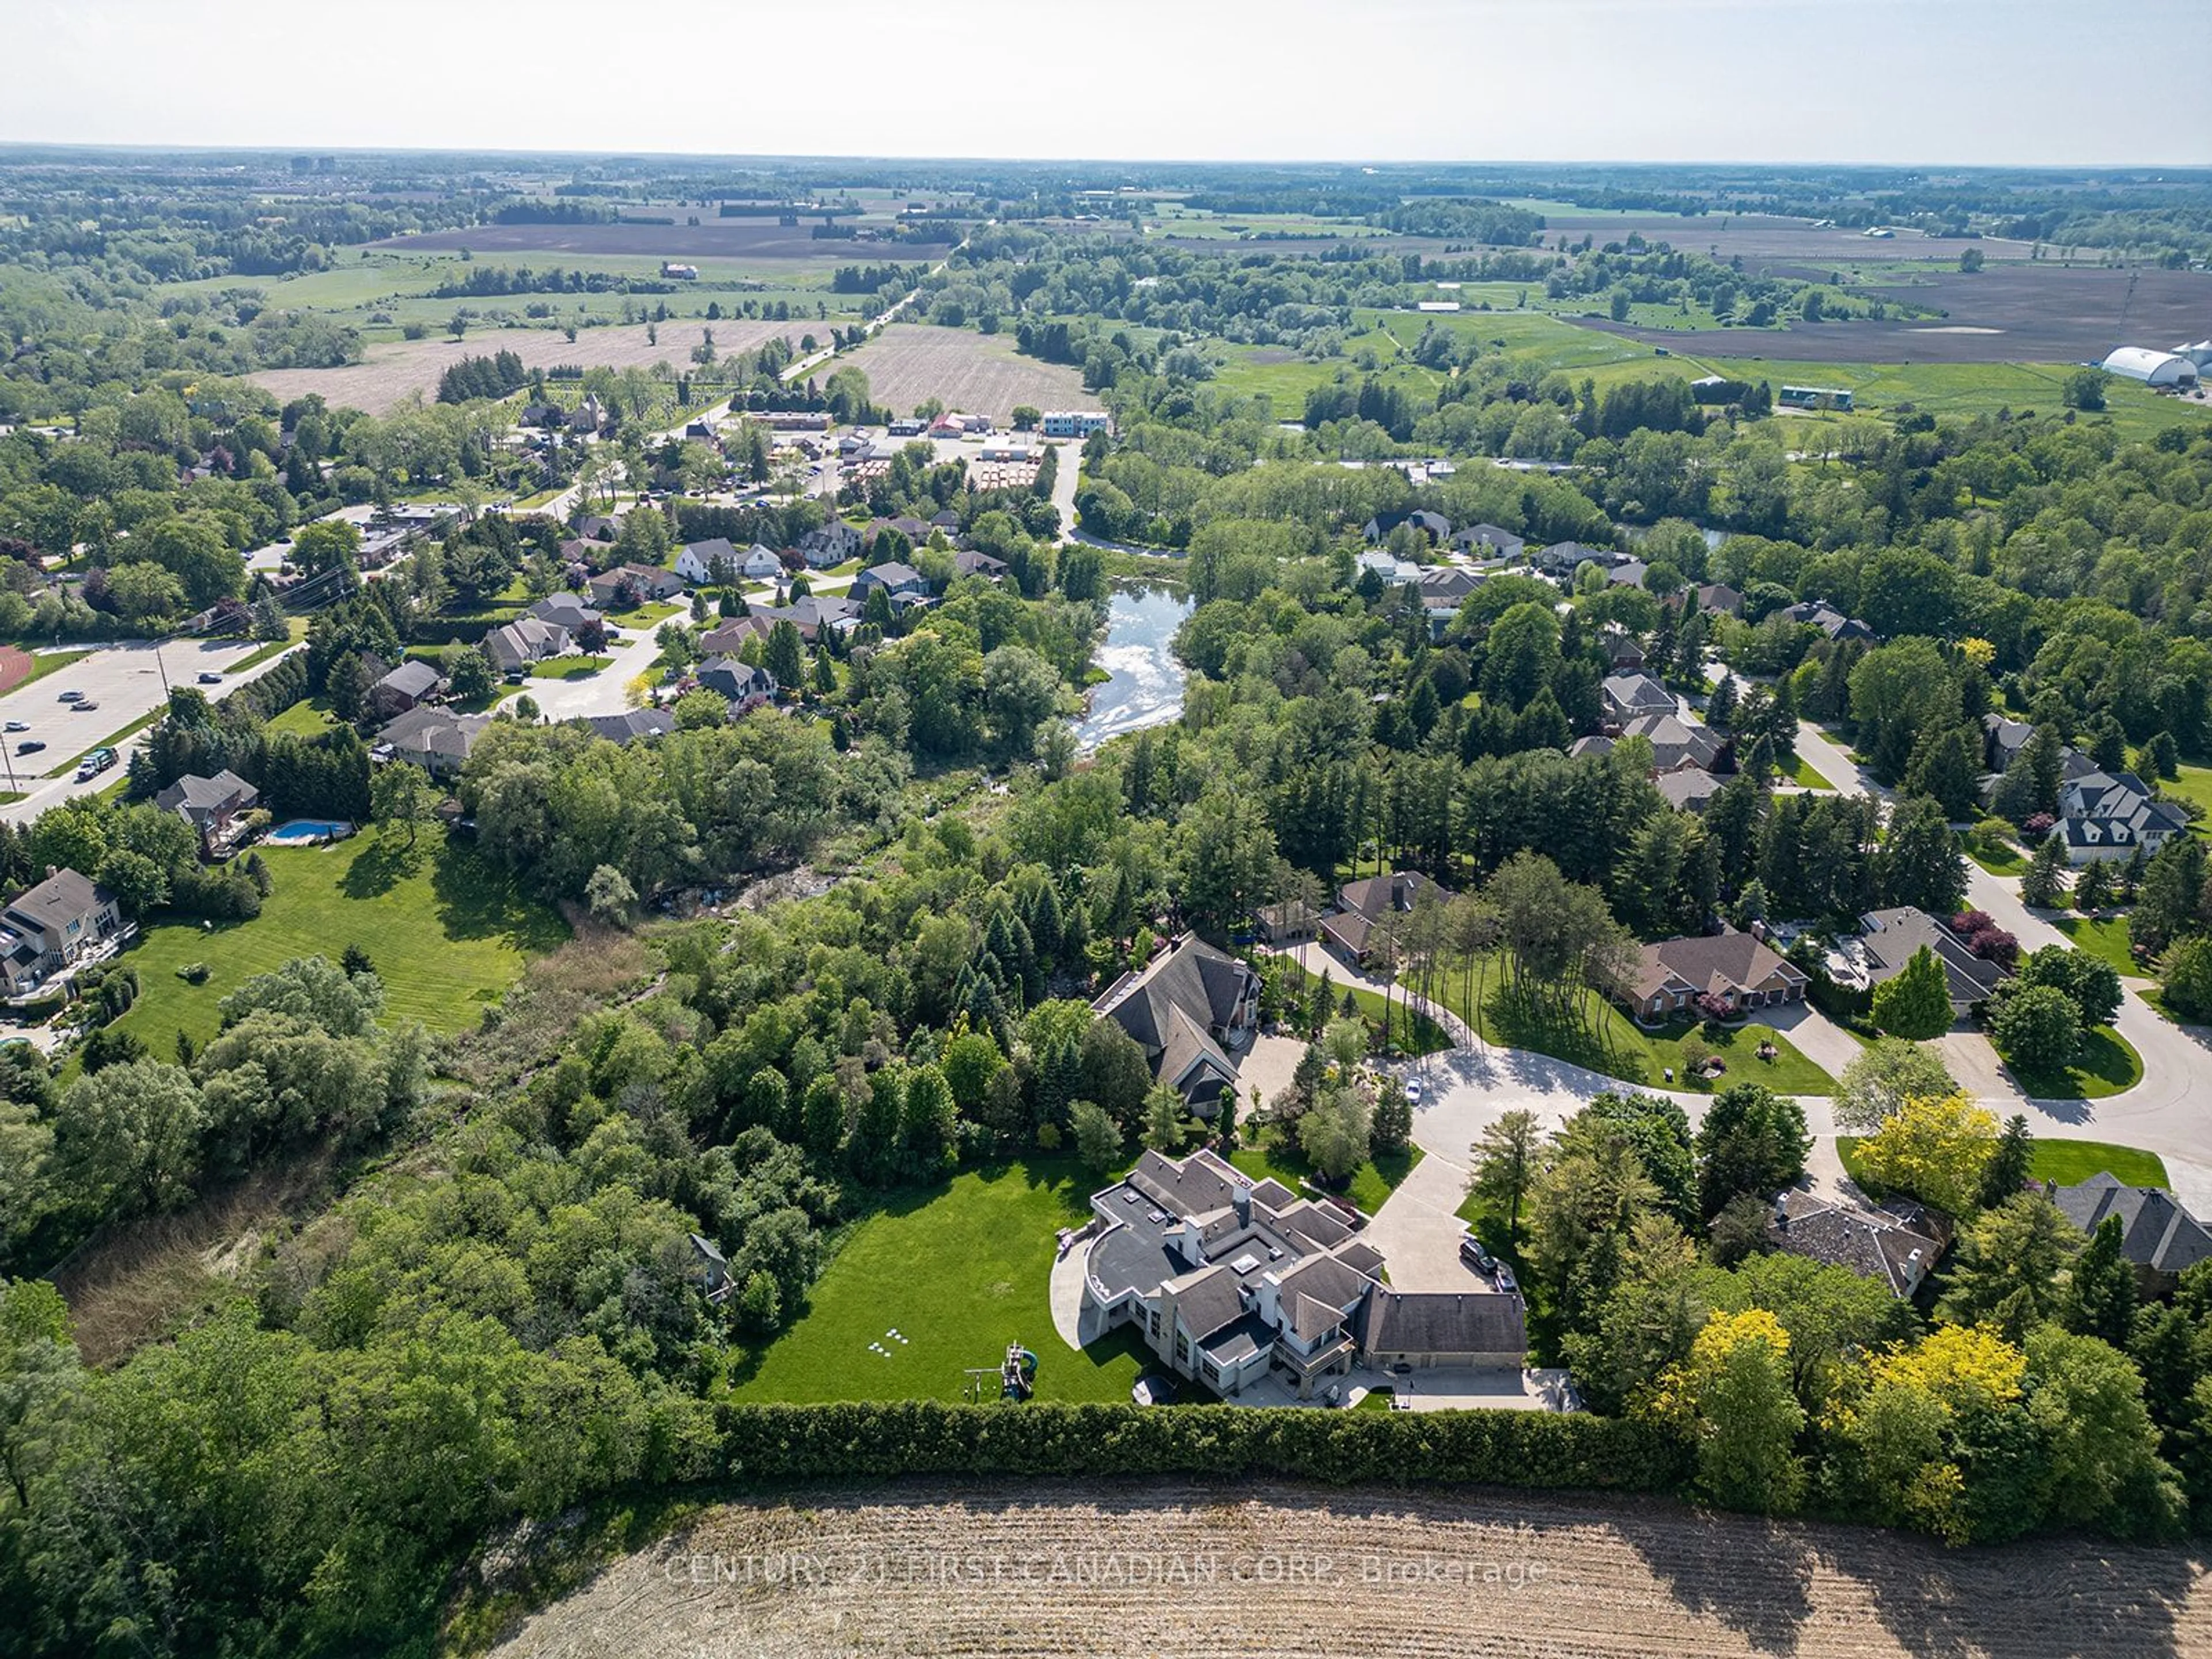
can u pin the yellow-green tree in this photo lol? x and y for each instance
(1733, 1398)
(1934, 1149)
(1896, 1433)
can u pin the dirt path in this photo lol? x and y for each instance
(1166, 1569)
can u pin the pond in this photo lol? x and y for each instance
(1145, 687)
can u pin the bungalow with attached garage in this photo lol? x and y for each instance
(1434, 526)
(1488, 540)
(894, 578)
(523, 641)
(563, 611)
(811, 614)
(67, 919)
(629, 584)
(632, 725)
(1720, 596)
(1816, 613)
(1189, 1009)
(1365, 908)
(727, 639)
(1737, 970)
(968, 562)
(1562, 559)
(1890, 938)
(437, 740)
(1676, 743)
(1233, 1282)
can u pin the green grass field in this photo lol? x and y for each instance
(960, 1270)
(447, 933)
(2195, 785)
(1614, 1044)
(310, 717)
(1807, 776)
(2107, 1066)
(568, 668)
(1272, 1154)
(2105, 938)
(2004, 864)
(2062, 1161)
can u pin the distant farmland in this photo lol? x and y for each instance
(392, 373)
(711, 239)
(976, 374)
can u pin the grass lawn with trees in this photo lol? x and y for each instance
(2106, 939)
(1614, 1044)
(1268, 1151)
(2065, 1162)
(2007, 863)
(960, 1270)
(2107, 1065)
(568, 668)
(1807, 776)
(448, 934)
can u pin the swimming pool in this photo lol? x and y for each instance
(307, 832)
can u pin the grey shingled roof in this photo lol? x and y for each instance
(2155, 1230)
(1445, 1322)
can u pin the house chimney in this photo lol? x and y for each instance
(1782, 1213)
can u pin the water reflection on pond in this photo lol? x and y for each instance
(1145, 687)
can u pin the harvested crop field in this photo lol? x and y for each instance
(975, 373)
(1174, 1569)
(390, 374)
(2017, 313)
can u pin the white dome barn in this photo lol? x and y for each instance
(2151, 368)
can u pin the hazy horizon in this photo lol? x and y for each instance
(1972, 83)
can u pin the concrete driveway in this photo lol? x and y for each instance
(1819, 1038)
(1416, 1230)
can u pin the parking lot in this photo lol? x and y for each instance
(122, 684)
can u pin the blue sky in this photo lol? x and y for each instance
(1967, 81)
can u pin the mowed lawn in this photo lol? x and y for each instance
(2106, 937)
(2107, 1065)
(448, 932)
(2065, 1162)
(959, 1270)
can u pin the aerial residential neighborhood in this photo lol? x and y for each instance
(899, 903)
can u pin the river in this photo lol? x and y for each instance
(1145, 687)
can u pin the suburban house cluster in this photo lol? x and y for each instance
(2101, 814)
(1233, 1282)
(1898, 1243)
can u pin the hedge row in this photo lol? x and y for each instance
(1532, 1449)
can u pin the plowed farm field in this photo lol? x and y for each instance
(975, 373)
(394, 372)
(1164, 1569)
